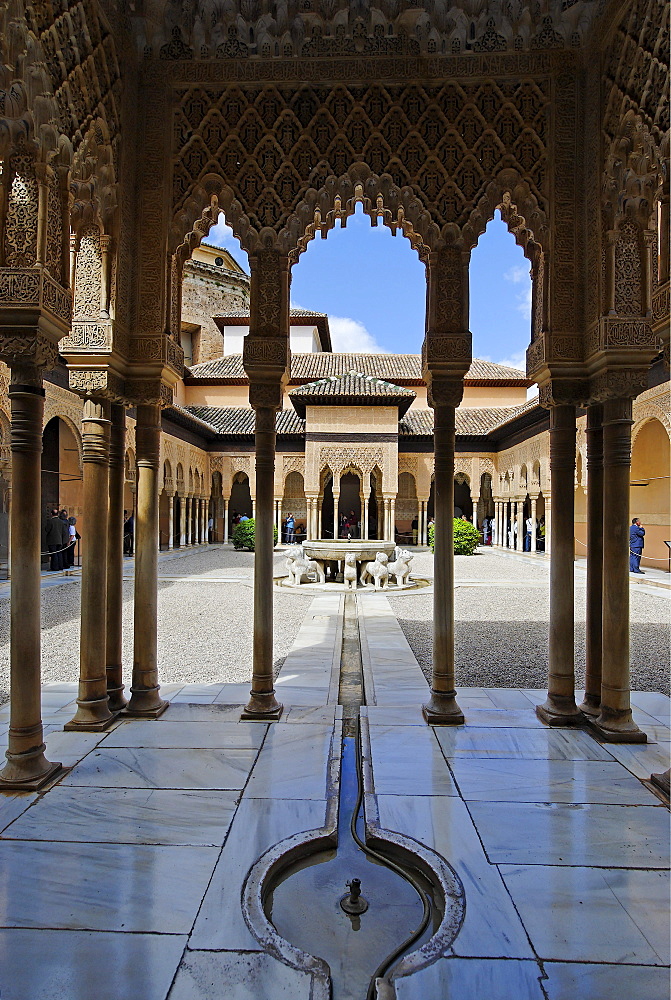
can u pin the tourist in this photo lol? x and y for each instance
(415, 529)
(128, 533)
(242, 518)
(73, 536)
(529, 524)
(210, 529)
(235, 519)
(54, 539)
(290, 524)
(636, 543)
(65, 536)
(541, 532)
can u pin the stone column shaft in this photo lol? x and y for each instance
(392, 520)
(442, 707)
(560, 708)
(336, 512)
(145, 701)
(93, 711)
(225, 520)
(594, 596)
(615, 721)
(114, 659)
(366, 529)
(533, 524)
(171, 520)
(27, 766)
(262, 703)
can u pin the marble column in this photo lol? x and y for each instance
(392, 519)
(591, 704)
(520, 525)
(548, 522)
(182, 521)
(93, 711)
(114, 658)
(145, 700)
(475, 500)
(27, 767)
(187, 522)
(560, 708)
(225, 520)
(171, 519)
(533, 524)
(442, 707)
(262, 702)
(366, 526)
(615, 723)
(336, 519)
(499, 521)
(278, 520)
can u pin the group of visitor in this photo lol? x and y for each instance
(292, 531)
(238, 518)
(61, 539)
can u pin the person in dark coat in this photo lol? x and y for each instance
(636, 543)
(54, 539)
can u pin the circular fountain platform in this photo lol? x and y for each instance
(322, 561)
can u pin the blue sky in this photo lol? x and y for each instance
(373, 287)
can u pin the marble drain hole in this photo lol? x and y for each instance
(304, 903)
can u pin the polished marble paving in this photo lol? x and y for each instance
(134, 863)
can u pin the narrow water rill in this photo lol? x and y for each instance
(307, 905)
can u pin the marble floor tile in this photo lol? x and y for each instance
(535, 833)
(517, 780)
(258, 976)
(531, 744)
(484, 979)
(190, 699)
(408, 761)
(509, 698)
(79, 965)
(258, 825)
(186, 735)
(292, 764)
(409, 714)
(491, 927)
(70, 748)
(233, 694)
(188, 712)
(12, 805)
(656, 705)
(107, 887)
(593, 915)
(572, 981)
(507, 718)
(642, 759)
(128, 816)
(126, 767)
(324, 714)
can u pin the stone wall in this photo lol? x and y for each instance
(209, 291)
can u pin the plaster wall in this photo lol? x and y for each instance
(496, 395)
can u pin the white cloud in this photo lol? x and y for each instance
(350, 336)
(516, 274)
(517, 360)
(524, 303)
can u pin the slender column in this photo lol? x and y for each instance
(187, 522)
(171, 519)
(548, 524)
(366, 528)
(225, 520)
(336, 504)
(595, 510)
(145, 700)
(442, 707)
(319, 526)
(114, 659)
(560, 708)
(475, 500)
(92, 705)
(615, 722)
(262, 703)
(27, 766)
(520, 526)
(203, 520)
(182, 520)
(201, 515)
(533, 524)
(392, 519)
(278, 521)
(497, 520)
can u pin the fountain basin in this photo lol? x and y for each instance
(324, 549)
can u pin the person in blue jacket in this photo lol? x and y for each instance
(636, 543)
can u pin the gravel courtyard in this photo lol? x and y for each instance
(205, 623)
(502, 622)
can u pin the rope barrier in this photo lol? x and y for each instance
(631, 552)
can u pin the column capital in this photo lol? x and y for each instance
(618, 383)
(564, 392)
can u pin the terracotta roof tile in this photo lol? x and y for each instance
(238, 421)
(477, 421)
(389, 367)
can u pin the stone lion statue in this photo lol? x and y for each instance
(349, 571)
(299, 566)
(377, 571)
(400, 567)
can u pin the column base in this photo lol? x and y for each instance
(612, 730)
(14, 782)
(262, 708)
(115, 699)
(443, 710)
(560, 712)
(150, 712)
(591, 705)
(662, 782)
(91, 717)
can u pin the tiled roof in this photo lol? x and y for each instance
(297, 313)
(352, 387)
(474, 421)
(390, 367)
(238, 421)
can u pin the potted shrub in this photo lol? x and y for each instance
(244, 535)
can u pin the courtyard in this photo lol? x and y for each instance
(149, 856)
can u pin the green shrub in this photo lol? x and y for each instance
(244, 535)
(466, 537)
